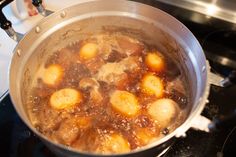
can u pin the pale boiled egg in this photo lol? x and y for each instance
(65, 98)
(152, 85)
(53, 74)
(125, 103)
(163, 111)
(155, 62)
(88, 51)
(113, 143)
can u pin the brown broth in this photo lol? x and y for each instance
(86, 124)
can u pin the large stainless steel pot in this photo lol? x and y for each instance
(141, 21)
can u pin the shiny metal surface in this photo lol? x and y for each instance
(222, 9)
(41, 10)
(216, 79)
(135, 19)
(11, 33)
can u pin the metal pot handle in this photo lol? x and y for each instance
(204, 124)
(230, 79)
(4, 22)
(6, 25)
(221, 81)
(229, 119)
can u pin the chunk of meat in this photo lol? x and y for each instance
(113, 73)
(93, 86)
(47, 118)
(65, 57)
(110, 73)
(105, 45)
(88, 140)
(73, 74)
(88, 83)
(96, 96)
(94, 64)
(129, 45)
(131, 64)
(42, 90)
(122, 83)
(68, 131)
(115, 56)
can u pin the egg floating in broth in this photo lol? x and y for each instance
(155, 61)
(65, 98)
(152, 85)
(52, 75)
(113, 143)
(163, 111)
(125, 103)
(88, 51)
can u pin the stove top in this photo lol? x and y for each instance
(218, 40)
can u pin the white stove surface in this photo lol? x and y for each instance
(7, 45)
